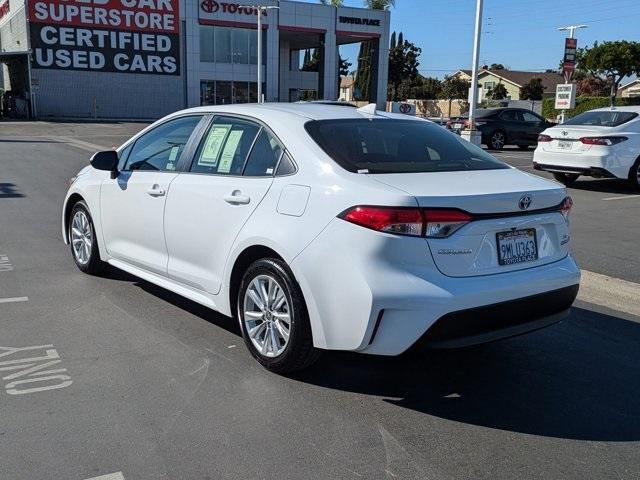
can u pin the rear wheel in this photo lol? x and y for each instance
(82, 238)
(274, 319)
(566, 178)
(497, 140)
(634, 175)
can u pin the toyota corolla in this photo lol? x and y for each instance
(322, 227)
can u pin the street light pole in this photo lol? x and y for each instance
(474, 136)
(260, 10)
(572, 31)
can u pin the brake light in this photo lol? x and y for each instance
(604, 141)
(441, 223)
(416, 222)
(544, 138)
(565, 207)
(402, 221)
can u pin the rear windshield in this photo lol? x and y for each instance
(397, 146)
(611, 118)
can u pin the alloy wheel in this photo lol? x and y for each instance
(497, 140)
(267, 316)
(81, 237)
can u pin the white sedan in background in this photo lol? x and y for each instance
(602, 143)
(325, 227)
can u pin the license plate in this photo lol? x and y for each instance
(457, 125)
(517, 246)
(564, 145)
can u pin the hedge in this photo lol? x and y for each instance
(583, 104)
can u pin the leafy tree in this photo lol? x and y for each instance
(311, 60)
(421, 88)
(454, 87)
(592, 86)
(532, 90)
(499, 92)
(400, 39)
(379, 4)
(362, 82)
(333, 3)
(393, 42)
(497, 66)
(403, 65)
(613, 60)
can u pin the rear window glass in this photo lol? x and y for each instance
(610, 118)
(397, 146)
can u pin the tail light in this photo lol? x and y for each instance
(544, 138)
(605, 141)
(416, 222)
(565, 207)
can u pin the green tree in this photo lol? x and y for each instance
(612, 60)
(379, 4)
(362, 82)
(499, 92)
(393, 42)
(333, 3)
(532, 90)
(592, 86)
(400, 39)
(311, 60)
(421, 88)
(403, 66)
(454, 87)
(497, 66)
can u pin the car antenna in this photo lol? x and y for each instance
(368, 109)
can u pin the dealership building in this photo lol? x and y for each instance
(141, 59)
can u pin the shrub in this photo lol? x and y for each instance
(583, 104)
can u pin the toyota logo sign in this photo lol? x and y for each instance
(210, 6)
(525, 202)
(405, 108)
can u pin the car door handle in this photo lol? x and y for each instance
(156, 191)
(236, 198)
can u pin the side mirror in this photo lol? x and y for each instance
(107, 161)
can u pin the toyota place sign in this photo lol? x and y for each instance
(124, 36)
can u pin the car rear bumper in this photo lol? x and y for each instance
(378, 293)
(594, 162)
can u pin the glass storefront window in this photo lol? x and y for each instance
(240, 92)
(222, 92)
(206, 43)
(240, 46)
(222, 44)
(207, 92)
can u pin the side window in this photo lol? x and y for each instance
(160, 149)
(530, 117)
(264, 156)
(286, 166)
(225, 147)
(509, 116)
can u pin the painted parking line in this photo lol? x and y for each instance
(622, 197)
(614, 293)
(14, 299)
(110, 476)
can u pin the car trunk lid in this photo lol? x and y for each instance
(567, 139)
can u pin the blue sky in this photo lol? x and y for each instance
(520, 34)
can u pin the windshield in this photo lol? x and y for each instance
(602, 118)
(397, 146)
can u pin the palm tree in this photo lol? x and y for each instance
(379, 4)
(333, 3)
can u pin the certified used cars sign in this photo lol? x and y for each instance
(126, 36)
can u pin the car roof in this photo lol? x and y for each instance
(301, 111)
(623, 108)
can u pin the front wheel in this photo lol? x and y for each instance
(566, 179)
(634, 175)
(274, 319)
(497, 140)
(83, 241)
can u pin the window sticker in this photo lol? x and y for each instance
(213, 144)
(229, 152)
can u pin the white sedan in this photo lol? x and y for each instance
(325, 227)
(602, 143)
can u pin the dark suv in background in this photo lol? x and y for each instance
(505, 126)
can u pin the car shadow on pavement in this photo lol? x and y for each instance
(576, 380)
(10, 190)
(608, 185)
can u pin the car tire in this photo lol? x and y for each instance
(83, 240)
(497, 140)
(566, 179)
(276, 330)
(634, 175)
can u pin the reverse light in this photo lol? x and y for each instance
(441, 223)
(565, 207)
(402, 221)
(544, 138)
(604, 141)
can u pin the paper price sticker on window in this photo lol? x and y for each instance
(213, 144)
(229, 152)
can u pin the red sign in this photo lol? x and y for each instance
(212, 6)
(569, 61)
(4, 8)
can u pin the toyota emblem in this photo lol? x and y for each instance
(209, 6)
(525, 202)
(405, 108)
(564, 133)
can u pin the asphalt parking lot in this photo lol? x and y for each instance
(152, 386)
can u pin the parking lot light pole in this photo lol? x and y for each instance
(260, 10)
(472, 134)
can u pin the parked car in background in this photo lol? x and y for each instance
(602, 143)
(323, 227)
(504, 126)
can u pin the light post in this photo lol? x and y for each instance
(567, 74)
(260, 10)
(472, 135)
